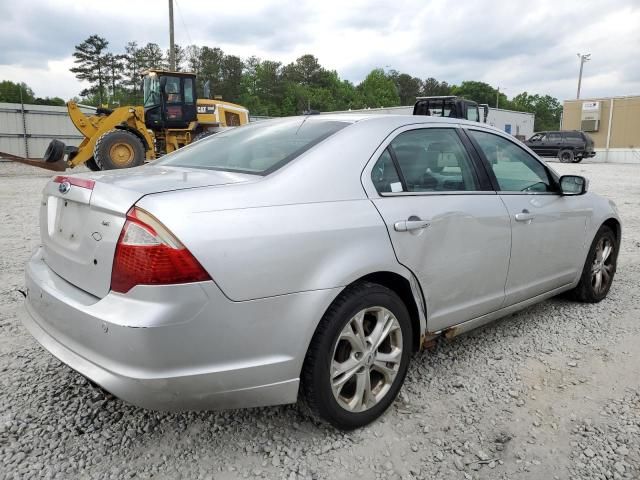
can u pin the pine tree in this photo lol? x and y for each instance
(152, 57)
(133, 66)
(90, 58)
(115, 69)
(180, 55)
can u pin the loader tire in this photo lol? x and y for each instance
(92, 165)
(201, 135)
(54, 152)
(118, 149)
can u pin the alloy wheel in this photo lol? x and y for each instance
(602, 267)
(366, 359)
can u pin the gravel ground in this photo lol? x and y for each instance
(552, 392)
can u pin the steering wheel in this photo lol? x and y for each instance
(532, 188)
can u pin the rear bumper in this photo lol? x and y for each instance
(197, 351)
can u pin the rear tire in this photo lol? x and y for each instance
(566, 156)
(367, 332)
(118, 149)
(601, 261)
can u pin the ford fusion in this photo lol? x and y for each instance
(305, 257)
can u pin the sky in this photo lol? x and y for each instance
(515, 45)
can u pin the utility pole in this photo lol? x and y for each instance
(497, 96)
(24, 124)
(583, 59)
(172, 52)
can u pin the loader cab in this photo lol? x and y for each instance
(169, 99)
(449, 106)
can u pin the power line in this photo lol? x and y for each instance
(183, 23)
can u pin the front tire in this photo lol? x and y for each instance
(599, 268)
(118, 149)
(358, 358)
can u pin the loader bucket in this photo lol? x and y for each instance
(57, 166)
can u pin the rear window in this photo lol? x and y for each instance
(573, 135)
(259, 148)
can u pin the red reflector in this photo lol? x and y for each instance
(150, 255)
(78, 182)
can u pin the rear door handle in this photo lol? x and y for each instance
(524, 216)
(409, 225)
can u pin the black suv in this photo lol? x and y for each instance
(570, 146)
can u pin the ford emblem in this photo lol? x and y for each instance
(64, 187)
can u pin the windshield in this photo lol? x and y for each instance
(151, 89)
(260, 148)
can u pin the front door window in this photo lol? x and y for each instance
(514, 169)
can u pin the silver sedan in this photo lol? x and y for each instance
(305, 257)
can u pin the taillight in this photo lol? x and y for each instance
(148, 254)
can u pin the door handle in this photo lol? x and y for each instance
(525, 216)
(411, 224)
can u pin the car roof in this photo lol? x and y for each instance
(393, 118)
(389, 120)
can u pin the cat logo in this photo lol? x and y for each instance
(206, 109)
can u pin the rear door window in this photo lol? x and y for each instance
(573, 136)
(433, 160)
(385, 176)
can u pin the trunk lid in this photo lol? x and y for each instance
(80, 226)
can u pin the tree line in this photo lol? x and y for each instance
(14, 92)
(272, 88)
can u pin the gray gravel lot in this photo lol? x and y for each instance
(551, 392)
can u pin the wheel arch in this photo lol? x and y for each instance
(614, 224)
(409, 291)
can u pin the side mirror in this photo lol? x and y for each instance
(573, 185)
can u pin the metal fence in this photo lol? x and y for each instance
(26, 130)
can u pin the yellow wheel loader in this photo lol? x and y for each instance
(124, 137)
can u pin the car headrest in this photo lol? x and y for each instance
(437, 147)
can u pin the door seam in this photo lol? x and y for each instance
(506, 280)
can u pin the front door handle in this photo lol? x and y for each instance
(524, 216)
(414, 223)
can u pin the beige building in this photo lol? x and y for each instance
(613, 123)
